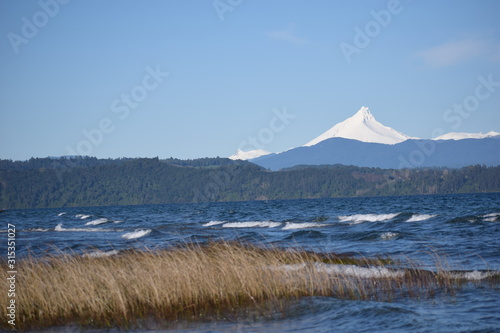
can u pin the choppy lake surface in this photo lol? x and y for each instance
(463, 231)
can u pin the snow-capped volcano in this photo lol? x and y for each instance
(362, 127)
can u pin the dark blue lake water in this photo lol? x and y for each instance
(462, 229)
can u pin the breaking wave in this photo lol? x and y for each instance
(360, 218)
(252, 224)
(420, 217)
(379, 272)
(98, 221)
(59, 227)
(389, 235)
(474, 275)
(136, 234)
(211, 223)
(82, 216)
(37, 230)
(361, 272)
(348, 270)
(293, 226)
(491, 217)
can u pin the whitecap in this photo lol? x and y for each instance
(252, 224)
(98, 221)
(136, 234)
(61, 214)
(420, 217)
(82, 216)
(292, 226)
(37, 230)
(389, 235)
(211, 223)
(361, 272)
(360, 218)
(346, 270)
(491, 217)
(100, 254)
(473, 275)
(59, 227)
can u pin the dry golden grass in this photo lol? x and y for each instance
(191, 282)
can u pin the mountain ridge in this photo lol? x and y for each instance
(407, 154)
(365, 129)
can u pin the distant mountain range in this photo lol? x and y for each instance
(407, 154)
(362, 141)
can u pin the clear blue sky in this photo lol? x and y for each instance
(73, 67)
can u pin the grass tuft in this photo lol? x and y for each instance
(197, 282)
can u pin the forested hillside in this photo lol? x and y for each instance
(67, 182)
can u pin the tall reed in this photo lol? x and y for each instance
(192, 282)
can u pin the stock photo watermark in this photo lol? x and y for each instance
(470, 104)
(122, 107)
(11, 274)
(371, 29)
(266, 135)
(31, 26)
(454, 116)
(222, 7)
(220, 180)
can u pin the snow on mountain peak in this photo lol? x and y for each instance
(362, 127)
(248, 155)
(364, 114)
(461, 136)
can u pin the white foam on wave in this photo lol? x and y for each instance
(252, 224)
(305, 225)
(138, 233)
(378, 272)
(389, 235)
(361, 272)
(473, 275)
(82, 216)
(59, 227)
(36, 230)
(420, 217)
(491, 217)
(211, 223)
(61, 214)
(100, 254)
(97, 221)
(346, 270)
(360, 218)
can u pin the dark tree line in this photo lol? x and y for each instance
(88, 181)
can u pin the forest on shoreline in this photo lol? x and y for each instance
(88, 181)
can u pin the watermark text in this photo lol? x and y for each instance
(11, 274)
